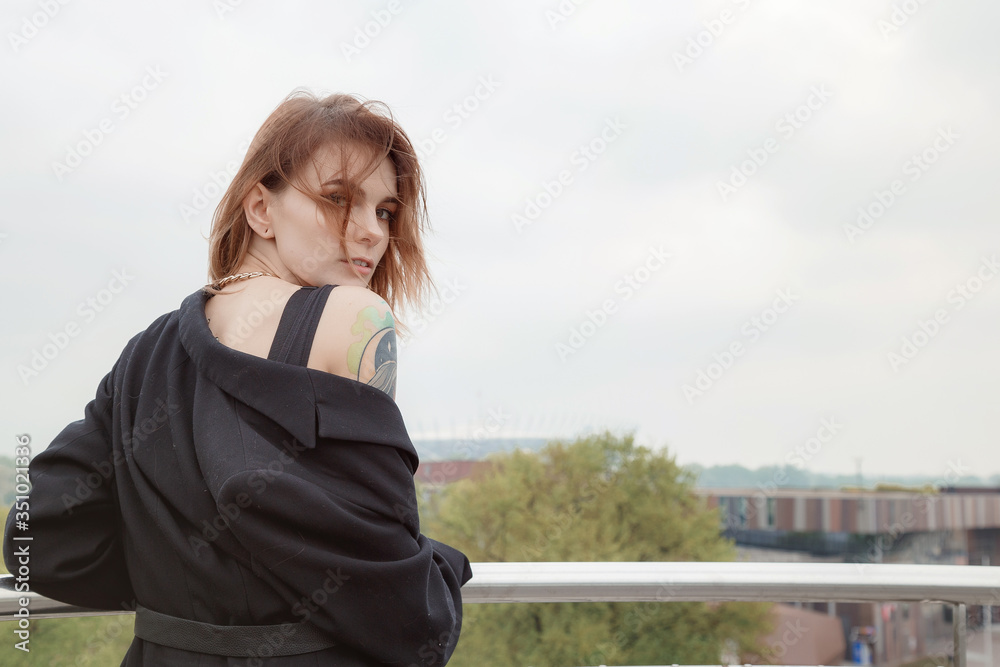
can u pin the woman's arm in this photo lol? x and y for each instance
(349, 545)
(76, 553)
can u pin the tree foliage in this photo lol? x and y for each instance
(600, 498)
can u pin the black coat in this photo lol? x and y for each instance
(225, 488)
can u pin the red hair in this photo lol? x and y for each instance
(287, 142)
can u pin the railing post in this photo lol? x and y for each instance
(958, 623)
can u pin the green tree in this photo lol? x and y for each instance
(600, 498)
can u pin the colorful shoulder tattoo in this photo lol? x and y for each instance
(372, 357)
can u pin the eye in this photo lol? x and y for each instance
(386, 214)
(338, 199)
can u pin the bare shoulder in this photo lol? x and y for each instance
(356, 337)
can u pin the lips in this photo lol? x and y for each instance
(363, 270)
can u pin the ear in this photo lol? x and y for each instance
(256, 206)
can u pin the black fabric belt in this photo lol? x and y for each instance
(243, 641)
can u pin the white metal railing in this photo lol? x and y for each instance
(957, 585)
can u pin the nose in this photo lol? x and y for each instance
(366, 226)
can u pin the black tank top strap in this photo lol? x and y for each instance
(297, 326)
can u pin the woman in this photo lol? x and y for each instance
(243, 478)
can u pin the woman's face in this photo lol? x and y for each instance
(306, 243)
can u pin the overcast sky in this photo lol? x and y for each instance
(727, 226)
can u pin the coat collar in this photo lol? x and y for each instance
(305, 402)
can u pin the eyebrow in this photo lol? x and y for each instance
(391, 198)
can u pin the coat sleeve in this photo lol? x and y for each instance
(340, 528)
(76, 552)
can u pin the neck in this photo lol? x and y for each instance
(262, 259)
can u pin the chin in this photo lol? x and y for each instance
(348, 280)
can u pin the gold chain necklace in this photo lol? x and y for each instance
(240, 276)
